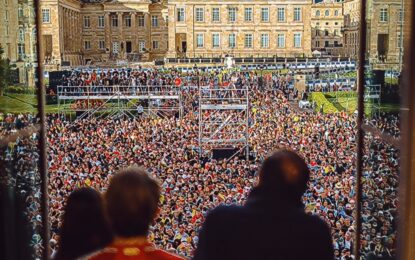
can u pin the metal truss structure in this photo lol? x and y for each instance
(112, 101)
(224, 119)
(372, 95)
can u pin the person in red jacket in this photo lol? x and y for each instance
(132, 204)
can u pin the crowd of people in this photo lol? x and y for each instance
(18, 160)
(108, 82)
(88, 152)
(387, 122)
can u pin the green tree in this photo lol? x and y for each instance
(5, 72)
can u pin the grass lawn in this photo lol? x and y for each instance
(11, 105)
(391, 81)
(22, 103)
(349, 104)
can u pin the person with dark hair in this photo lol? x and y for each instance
(273, 223)
(85, 227)
(132, 205)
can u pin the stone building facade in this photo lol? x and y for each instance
(18, 37)
(100, 31)
(239, 28)
(351, 12)
(326, 27)
(8, 26)
(385, 34)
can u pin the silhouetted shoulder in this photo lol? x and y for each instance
(316, 223)
(224, 217)
(223, 212)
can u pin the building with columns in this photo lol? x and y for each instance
(8, 29)
(385, 34)
(326, 27)
(102, 31)
(239, 28)
(351, 12)
(18, 38)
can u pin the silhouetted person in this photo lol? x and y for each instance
(85, 227)
(272, 224)
(132, 204)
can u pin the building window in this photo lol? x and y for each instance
(45, 15)
(336, 13)
(327, 13)
(399, 39)
(101, 44)
(180, 14)
(400, 15)
(128, 47)
(281, 14)
(318, 13)
(326, 32)
(101, 21)
(264, 40)
(141, 20)
(200, 14)
(87, 45)
(87, 22)
(215, 14)
(265, 14)
(127, 21)
(281, 40)
(20, 12)
(141, 46)
(21, 35)
(215, 40)
(317, 44)
(383, 15)
(114, 21)
(248, 14)
(232, 14)
(154, 21)
(20, 51)
(335, 32)
(297, 40)
(115, 47)
(248, 40)
(297, 14)
(232, 40)
(200, 40)
(155, 45)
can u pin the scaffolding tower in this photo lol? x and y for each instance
(224, 119)
(89, 101)
(372, 97)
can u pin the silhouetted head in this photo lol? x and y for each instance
(132, 202)
(284, 174)
(85, 226)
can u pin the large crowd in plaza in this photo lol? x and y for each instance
(88, 152)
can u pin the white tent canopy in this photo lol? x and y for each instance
(316, 53)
